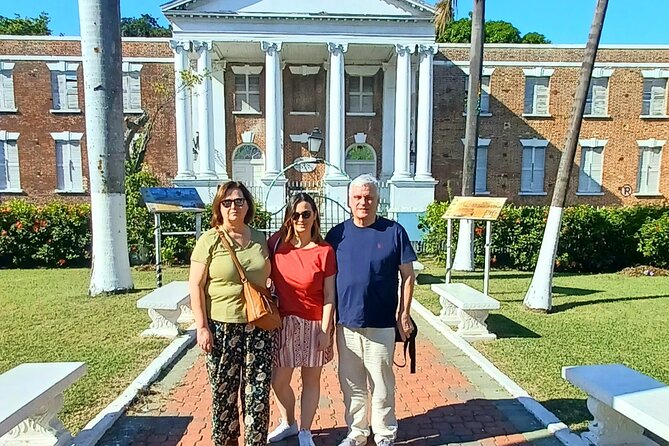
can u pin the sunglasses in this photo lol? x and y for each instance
(239, 202)
(305, 215)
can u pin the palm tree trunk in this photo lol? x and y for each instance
(101, 53)
(539, 295)
(464, 253)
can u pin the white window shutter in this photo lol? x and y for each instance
(75, 166)
(596, 163)
(7, 90)
(583, 177)
(599, 96)
(658, 94)
(526, 172)
(481, 169)
(72, 91)
(3, 167)
(12, 160)
(135, 91)
(541, 93)
(58, 88)
(485, 94)
(126, 90)
(61, 161)
(539, 168)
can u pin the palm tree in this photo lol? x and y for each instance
(445, 13)
(539, 295)
(103, 94)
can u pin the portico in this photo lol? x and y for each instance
(362, 72)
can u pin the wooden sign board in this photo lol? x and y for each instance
(172, 199)
(475, 208)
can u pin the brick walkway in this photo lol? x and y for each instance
(449, 401)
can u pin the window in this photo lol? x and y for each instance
(132, 94)
(247, 89)
(481, 175)
(10, 180)
(654, 97)
(533, 166)
(360, 159)
(596, 104)
(590, 171)
(484, 100)
(648, 179)
(7, 87)
(68, 162)
(64, 91)
(537, 93)
(361, 94)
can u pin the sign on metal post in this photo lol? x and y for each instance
(473, 208)
(161, 200)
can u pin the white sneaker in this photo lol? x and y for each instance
(349, 442)
(384, 442)
(305, 439)
(282, 431)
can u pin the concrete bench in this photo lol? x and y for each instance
(623, 402)
(168, 306)
(31, 395)
(467, 308)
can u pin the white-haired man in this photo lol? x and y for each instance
(370, 251)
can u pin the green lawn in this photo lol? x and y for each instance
(600, 318)
(47, 316)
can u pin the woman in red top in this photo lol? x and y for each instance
(303, 272)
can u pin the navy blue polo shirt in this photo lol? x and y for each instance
(368, 261)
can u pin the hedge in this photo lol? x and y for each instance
(59, 234)
(592, 239)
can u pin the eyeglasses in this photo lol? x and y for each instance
(304, 214)
(239, 202)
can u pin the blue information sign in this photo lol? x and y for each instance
(172, 199)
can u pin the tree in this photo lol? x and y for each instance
(496, 31)
(103, 94)
(143, 26)
(25, 26)
(464, 253)
(539, 295)
(445, 13)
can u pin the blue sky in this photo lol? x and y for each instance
(562, 21)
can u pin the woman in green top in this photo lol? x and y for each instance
(239, 355)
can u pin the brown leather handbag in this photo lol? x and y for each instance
(261, 309)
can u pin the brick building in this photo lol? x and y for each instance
(526, 101)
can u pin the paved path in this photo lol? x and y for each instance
(449, 401)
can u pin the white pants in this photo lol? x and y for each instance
(367, 353)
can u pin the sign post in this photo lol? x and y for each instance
(473, 208)
(161, 200)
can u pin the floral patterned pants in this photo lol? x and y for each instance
(241, 357)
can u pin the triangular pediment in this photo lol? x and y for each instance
(391, 9)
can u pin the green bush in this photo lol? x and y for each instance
(654, 241)
(591, 239)
(54, 235)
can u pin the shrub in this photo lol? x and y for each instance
(654, 241)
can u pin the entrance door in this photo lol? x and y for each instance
(360, 159)
(248, 165)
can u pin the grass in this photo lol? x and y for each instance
(603, 318)
(47, 316)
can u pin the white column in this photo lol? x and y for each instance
(336, 110)
(205, 112)
(388, 136)
(279, 114)
(402, 113)
(182, 110)
(272, 131)
(424, 121)
(219, 127)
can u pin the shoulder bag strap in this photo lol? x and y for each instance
(233, 255)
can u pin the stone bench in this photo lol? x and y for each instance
(168, 306)
(31, 395)
(467, 308)
(623, 402)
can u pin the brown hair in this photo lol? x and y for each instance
(223, 189)
(287, 231)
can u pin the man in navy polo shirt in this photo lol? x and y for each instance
(370, 251)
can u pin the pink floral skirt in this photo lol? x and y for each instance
(296, 344)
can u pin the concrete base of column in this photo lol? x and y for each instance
(188, 175)
(337, 189)
(274, 193)
(206, 188)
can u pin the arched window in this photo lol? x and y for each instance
(248, 164)
(360, 159)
